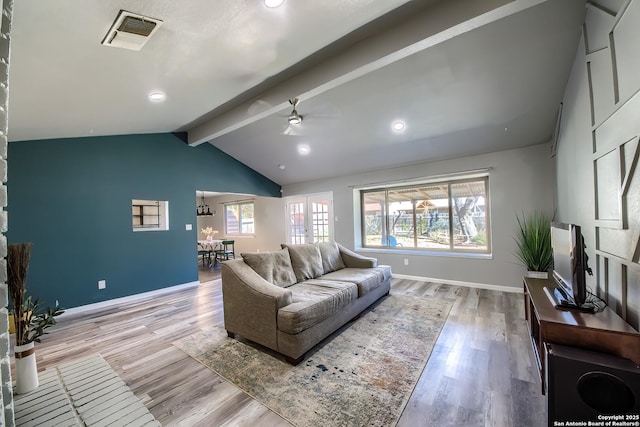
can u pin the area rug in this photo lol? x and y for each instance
(361, 376)
(84, 392)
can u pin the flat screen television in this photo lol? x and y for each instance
(569, 262)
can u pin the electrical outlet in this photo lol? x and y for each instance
(188, 227)
(102, 284)
(406, 261)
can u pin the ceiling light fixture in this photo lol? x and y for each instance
(157, 96)
(294, 117)
(200, 209)
(304, 149)
(398, 126)
(281, 167)
(273, 3)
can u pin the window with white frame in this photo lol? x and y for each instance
(239, 218)
(445, 216)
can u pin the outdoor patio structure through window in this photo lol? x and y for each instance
(444, 216)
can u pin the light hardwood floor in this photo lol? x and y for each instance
(481, 371)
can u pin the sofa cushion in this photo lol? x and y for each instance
(274, 267)
(305, 260)
(313, 301)
(365, 278)
(330, 254)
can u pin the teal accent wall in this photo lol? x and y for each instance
(72, 199)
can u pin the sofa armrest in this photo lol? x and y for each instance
(354, 260)
(251, 303)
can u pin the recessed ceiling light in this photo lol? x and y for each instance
(157, 96)
(273, 3)
(398, 126)
(303, 149)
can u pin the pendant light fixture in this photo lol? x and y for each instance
(200, 209)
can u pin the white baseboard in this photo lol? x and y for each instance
(84, 309)
(487, 286)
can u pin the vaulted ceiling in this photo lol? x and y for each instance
(465, 76)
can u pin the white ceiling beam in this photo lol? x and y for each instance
(434, 25)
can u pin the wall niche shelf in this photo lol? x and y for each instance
(145, 216)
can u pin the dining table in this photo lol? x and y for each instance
(211, 246)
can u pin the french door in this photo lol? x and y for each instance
(309, 218)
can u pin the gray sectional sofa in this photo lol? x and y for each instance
(290, 300)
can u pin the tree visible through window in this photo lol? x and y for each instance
(450, 216)
(239, 218)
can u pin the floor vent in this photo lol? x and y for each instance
(131, 31)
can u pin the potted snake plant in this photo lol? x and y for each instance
(533, 244)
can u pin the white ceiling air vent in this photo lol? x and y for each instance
(131, 31)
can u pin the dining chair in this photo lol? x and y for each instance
(393, 242)
(205, 254)
(227, 251)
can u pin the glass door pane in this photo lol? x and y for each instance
(310, 218)
(320, 218)
(296, 229)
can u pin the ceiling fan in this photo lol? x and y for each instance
(296, 127)
(294, 118)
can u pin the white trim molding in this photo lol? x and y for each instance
(510, 289)
(90, 308)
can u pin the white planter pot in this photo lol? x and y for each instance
(537, 274)
(26, 369)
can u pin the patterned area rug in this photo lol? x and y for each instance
(361, 376)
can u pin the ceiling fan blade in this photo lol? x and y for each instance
(292, 130)
(258, 106)
(324, 110)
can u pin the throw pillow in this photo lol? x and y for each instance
(305, 260)
(283, 274)
(274, 267)
(331, 259)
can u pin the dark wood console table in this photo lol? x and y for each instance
(604, 332)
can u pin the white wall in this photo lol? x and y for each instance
(269, 222)
(520, 180)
